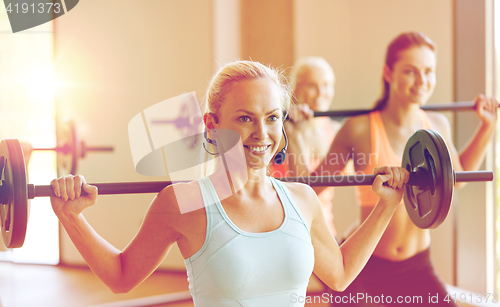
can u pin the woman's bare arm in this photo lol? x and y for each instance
(120, 271)
(338, 266)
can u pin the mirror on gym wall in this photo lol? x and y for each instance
(27, 112)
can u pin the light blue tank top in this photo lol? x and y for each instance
(235, 268)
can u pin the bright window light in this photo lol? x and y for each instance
(27, 113)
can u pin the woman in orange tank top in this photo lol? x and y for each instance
(401, 262)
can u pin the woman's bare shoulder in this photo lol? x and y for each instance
(354, 131)
(179, 210)
(437, 118)
(439, 121)
(304, 197)
(179, 198)
(356, 126)
(297, 188)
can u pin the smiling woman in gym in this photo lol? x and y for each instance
(256, 247)
(401, 262)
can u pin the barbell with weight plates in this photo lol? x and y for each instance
(455, 107)
(428, 193)
(70, 148)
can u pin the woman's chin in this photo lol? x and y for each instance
(257, 165)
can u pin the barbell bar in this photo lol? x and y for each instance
(455, 107)
(427, 196)
(315, 181)
(185, 121)
(179, 122)
(67, 149)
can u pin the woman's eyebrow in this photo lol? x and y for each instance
(251, 113)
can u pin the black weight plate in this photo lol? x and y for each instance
(14, 207)
(68, 138)
(448, 178)
(428, 204)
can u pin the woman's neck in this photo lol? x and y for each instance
(228, 183)
(257, 181)
(401, 113)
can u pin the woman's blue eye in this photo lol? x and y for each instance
(273, 118)
(244, 118)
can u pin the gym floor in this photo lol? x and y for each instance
(29, 285)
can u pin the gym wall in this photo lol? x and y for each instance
(122, 56)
